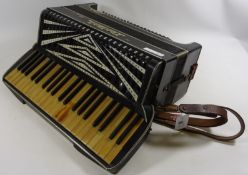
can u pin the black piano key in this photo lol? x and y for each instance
(127, 130)
(121, 124)
(30, 57)
(57, 80)
(32, 65)
(38, 72)
(94, 106)
(69, 89)
(111, 117)
(52, 77)
(45, 72)
(88, 102)
(104, 113)
(61, 84)
(83, 98)
(74, 93)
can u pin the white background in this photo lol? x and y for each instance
(29, 145)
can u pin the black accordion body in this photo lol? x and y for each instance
(96, 78)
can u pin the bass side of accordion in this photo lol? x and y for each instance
(96, 78)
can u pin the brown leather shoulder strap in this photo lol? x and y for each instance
(213, 116)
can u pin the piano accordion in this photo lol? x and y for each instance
(96, 78)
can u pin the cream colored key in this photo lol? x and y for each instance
(77, 122)
(72, 115)
(85, 124)
(90, 131)
(26, 82)
(64, 112)
(72, 102)
(21, 84)
(48, 100)
(45, 96)
(52, 105)
(27, 88)
(12, 75)
(106, 143)
(80, 123)
(94, 136)
(36, 92)
(112, 153)
(18, 77)
(59, 104)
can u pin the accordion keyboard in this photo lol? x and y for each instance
(94, 118)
